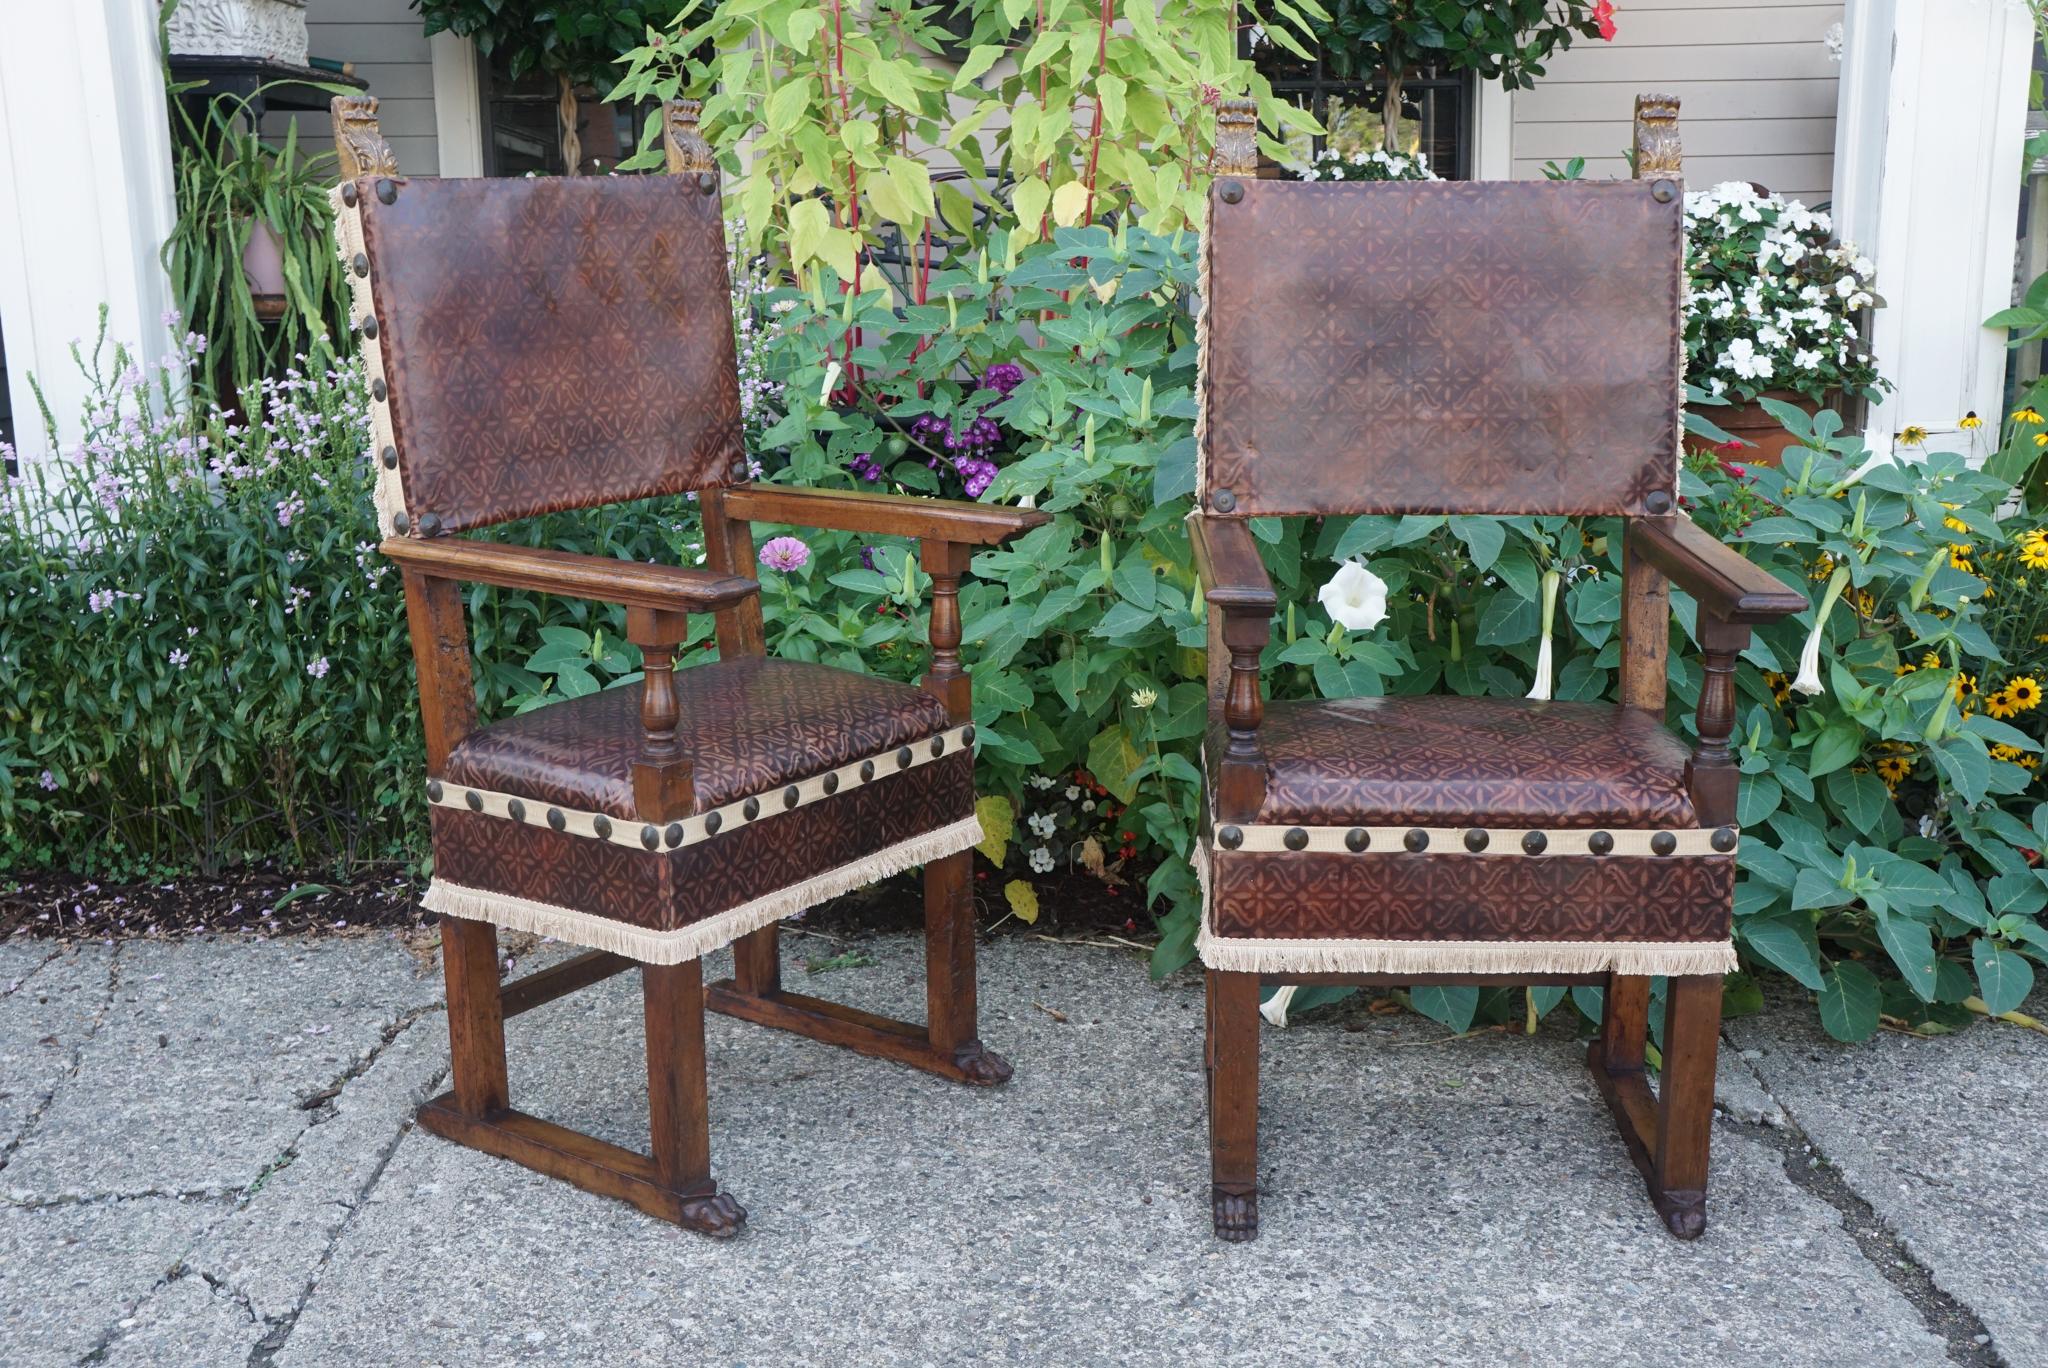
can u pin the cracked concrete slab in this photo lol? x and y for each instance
(70, 1273)
(195, 1079)
(1431, 1200)
(185, 1321)
(1942, 1137)
(57, 997)
(268, 1250)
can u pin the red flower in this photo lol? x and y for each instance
(1603, 15)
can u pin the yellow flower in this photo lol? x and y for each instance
(2000, 705)
(1955, 524)
(1965, 687)
(2026, 415)
(1958, 557)
(1893, 769)
(1931, 661)
(1781, 686)
(1912, 434)
(1971, 421)
(2034, 551)
(2025, 693)
(2041, 439)
(2001, 751)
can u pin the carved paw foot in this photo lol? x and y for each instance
(1684, 1213)
(718, 1215)
(984, 1067)
(1237, 1215)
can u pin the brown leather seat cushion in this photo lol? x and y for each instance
(748, 726)
(1488, 762)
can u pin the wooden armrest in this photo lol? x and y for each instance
(1727, 586)
(1227, 558)
(658, 588)
(953, 520)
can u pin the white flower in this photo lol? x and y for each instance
(1072, 792)
(1743, 358)
(1808, 682)
(1144, 698)
(1541, 688)
(1832, 41)
(1355, 597)
(1087, 805)
(1274, 1009)
(1042, 782)
(1041, 860)
(1042, 824)
(1805, 359)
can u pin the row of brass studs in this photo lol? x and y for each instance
(1476, 840)
(429, 523)
(654, 837)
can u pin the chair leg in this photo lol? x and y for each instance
(951, 1010)
(1667, 1135)
(1233, 1056)
(1685, 1102)
(476, 1020)
(680, 1113)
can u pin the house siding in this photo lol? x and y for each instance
(1755, 82)
(386, 41)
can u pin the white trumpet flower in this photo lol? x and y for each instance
(831, 381)
(1541, 688)
(1808, 681)
(1274, 1009)
(1355, 597)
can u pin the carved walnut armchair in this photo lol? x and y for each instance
(1503, 348)
(542, 345)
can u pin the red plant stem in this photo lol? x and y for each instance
(1095, 123)
(837, 77)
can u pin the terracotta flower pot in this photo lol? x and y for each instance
(263, 268)
(1753, 424)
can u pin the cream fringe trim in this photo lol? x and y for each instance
(1259, 955)
(597, 932)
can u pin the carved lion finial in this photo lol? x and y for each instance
(1657, 150)
(1237, 138)
(357, 140)
(687, 150)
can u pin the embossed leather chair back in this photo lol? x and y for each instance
(547, 344)
(1502, 347)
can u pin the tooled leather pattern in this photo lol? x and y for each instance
(1500, 347)
(747, 726)
(672, 888)
(553, 343)
(1444, 761)
(1504, 897)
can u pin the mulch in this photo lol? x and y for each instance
(269, 901)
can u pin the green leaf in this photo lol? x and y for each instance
(978, 61)
(1787, 941)
(1911, 946)
(1849, 1002)
(1483, 537)
(2003, 978)
(1863, 798)
(1454, 1007)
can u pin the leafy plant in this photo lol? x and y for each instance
(231, 185)
(1106, 108)
(1499, 40)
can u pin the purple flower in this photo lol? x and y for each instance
(287, 509)
(1003, 377)
(865, 466)
(976, 473)
(867, 557)
(180, 658)
(318, 669)
(785, 554)
(48, 781)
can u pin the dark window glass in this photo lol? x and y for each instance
(523, 127)
(1435, 109)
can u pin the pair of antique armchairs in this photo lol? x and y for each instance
(543, 345)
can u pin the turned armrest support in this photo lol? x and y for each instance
(948, 530)
(658, 600)
(900, 515)
(658, 588)
(1241, 602)
(1733, 594)
(1728, 586)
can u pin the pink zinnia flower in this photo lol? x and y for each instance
(785, 554)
